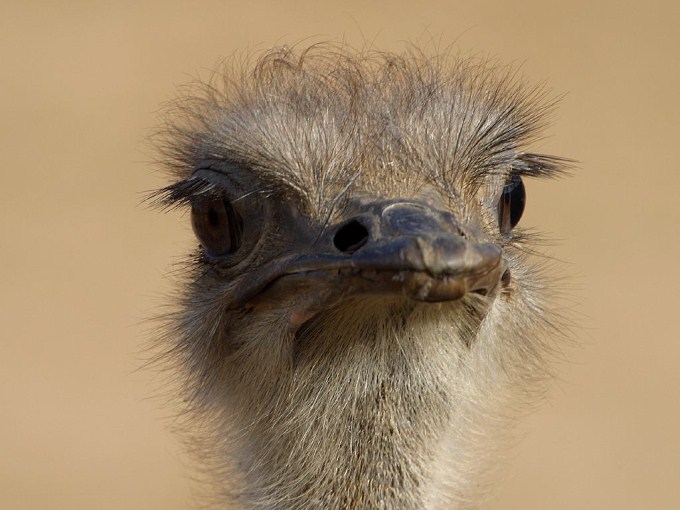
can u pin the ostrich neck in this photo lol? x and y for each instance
(360, 422)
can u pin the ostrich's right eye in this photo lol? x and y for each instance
(217, 225)
(511, 204)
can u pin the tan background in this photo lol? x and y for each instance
(83, 263)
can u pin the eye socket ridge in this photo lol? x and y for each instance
(511, 203)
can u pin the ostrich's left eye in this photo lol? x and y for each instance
(511, 204)
(217, 225)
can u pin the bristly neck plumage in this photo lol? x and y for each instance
(366, 407)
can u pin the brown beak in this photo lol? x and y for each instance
(393, 248)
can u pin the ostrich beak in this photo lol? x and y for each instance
(387, 248)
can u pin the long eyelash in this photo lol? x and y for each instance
(183, 193)
(541, 165)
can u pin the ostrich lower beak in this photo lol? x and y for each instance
(405, 249)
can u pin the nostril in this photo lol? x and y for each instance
(350, 237)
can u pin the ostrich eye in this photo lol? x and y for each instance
(511, 204)
(217, 225)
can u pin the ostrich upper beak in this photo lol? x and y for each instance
(389, 247)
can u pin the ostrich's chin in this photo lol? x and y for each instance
(368, 318)
(366, 322)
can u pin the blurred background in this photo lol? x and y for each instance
(84, 262)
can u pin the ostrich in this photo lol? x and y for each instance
(362, 322)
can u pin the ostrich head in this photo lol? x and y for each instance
(361, 321)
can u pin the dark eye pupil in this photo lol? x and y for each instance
(217, 225)
(214, 218)
(511, 204)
